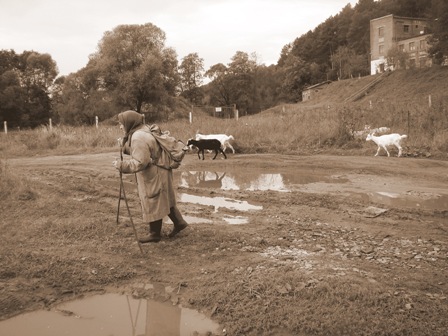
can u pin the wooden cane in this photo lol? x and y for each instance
(122, 190)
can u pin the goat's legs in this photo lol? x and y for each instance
(399, 150)
(223, 153)
(378, 151)
(199, 152)
(233, 150)
(379, 148)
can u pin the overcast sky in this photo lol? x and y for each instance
(215, 29)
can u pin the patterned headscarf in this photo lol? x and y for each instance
(131, 122)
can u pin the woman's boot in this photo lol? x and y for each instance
(155, 229)
(178, 221)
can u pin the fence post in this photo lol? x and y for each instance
(96, 121)
(429, 101)
(409, 123)
(5, 127)
(191, 117)
(50, 124)
(236, 115)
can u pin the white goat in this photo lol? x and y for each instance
(387, 140)
(223, 138)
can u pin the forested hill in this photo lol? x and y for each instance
(345, 37)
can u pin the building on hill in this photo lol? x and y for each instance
(311, 91)
(404, 37)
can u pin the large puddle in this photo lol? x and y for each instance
(300, 180)
(111, 315)
(251, 180)
(254, 180)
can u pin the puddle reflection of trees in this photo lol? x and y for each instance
(232, 181)
(252, 180)
(106, 314)
(163, 318)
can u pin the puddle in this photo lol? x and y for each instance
(436, 202)
(236, 219)
(251, 180)
(190, 220)
(219, 202)
(111, 315)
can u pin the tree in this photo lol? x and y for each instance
(346, 63)
(235, 84)
(397, 58)
(439, 39)
(25, 82)
(218, 88)
(191, 72)
(135, 67)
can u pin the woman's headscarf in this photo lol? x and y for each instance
(131, 122)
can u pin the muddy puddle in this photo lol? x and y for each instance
(306, 181)
(300, 180)
(111, 315)
(251, 180)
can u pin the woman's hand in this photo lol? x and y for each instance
(117, 164)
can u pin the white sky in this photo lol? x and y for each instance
(215, 29)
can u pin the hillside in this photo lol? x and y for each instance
(405, 86)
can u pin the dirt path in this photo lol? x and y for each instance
(309, 222)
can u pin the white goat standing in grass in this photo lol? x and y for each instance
(387, 140)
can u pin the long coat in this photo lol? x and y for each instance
(155, 184)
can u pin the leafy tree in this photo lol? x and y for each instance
(439, 40)
(135, 67)
(13, 98)
(242, 80)
(397, 58)
(79, 98)
(25, 82)
(191, 72)
(296, 75)
(347, 64)
(235, 84)
(219, 91)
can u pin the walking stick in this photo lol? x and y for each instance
(119, 197)
(127, 205)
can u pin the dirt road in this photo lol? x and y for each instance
(268, 234)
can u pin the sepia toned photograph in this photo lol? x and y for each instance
(224, 168)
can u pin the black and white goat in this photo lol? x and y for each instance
(203, 144)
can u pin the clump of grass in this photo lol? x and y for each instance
(12, 185)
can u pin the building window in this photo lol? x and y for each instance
(401, 47)
(406, 28)
(411, 46)
(381, 31)
(381, 49)
(422, 45)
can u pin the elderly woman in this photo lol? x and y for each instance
(155, 183)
